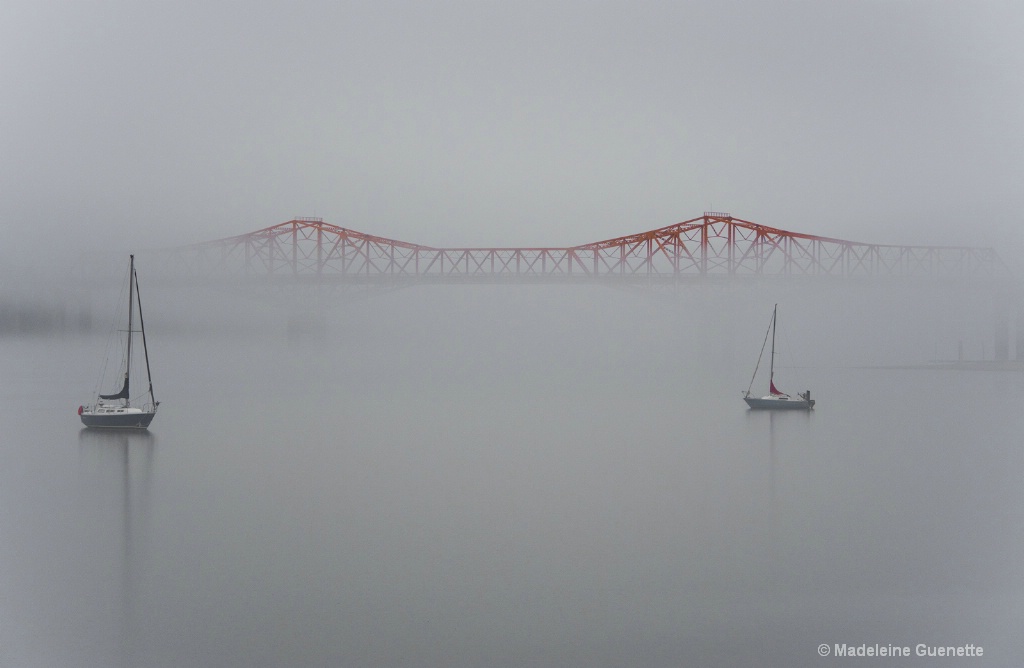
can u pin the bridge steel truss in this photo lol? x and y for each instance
(715, 244)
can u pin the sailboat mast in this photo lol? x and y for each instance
(145, 348)
(772, 373)
(131, 299)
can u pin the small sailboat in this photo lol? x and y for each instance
(775, 399)
(117, 410)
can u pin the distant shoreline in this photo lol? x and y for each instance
(964, 365)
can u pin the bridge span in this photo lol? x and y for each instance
(714, 244)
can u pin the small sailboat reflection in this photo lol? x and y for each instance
(129, 455)
(775, 399)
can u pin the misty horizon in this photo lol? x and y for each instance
(471, 125)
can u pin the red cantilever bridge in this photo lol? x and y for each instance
(715, 244)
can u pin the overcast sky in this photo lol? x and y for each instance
(132, 124)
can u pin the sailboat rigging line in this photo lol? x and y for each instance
(142, 326)
(770, 328)
(114, 344)
(131, 297)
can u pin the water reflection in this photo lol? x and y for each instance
(121, 460)
(771, 457)
(776, 420)
(784, 433)
(756, 417)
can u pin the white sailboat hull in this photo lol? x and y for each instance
(777, 402)
(117, 417)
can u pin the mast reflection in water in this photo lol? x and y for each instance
(121, 461)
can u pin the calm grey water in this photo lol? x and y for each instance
(500, 476)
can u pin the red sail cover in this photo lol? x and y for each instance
(772, 388)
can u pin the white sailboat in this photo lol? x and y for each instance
(117, 410)
(775, 399)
